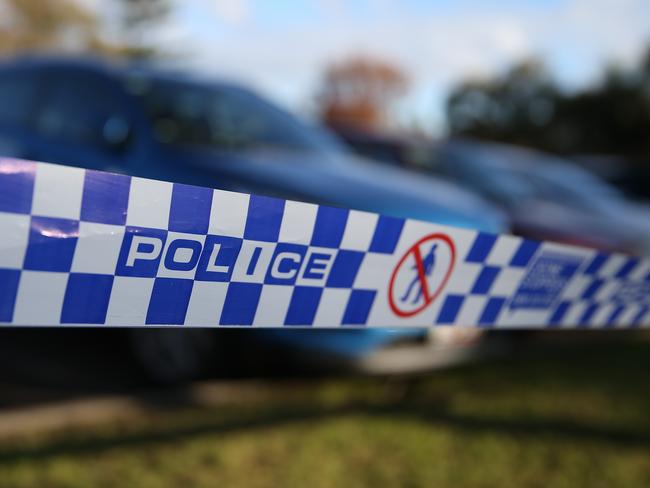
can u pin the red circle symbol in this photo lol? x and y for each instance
(422, 279)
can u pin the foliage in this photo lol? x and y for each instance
(36, 25)
(526, 107)
(358, 92)
(68, 26)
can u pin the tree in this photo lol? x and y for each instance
(65, 25)
(136, 19)
(35, 25)
(513, 108)
(526, 107)
(359, 92)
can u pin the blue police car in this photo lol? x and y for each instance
(170, 126)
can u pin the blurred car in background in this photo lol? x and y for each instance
(546, 197)
(169, 126)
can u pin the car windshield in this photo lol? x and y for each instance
(567, 185)
(223, 117)
(535, 177)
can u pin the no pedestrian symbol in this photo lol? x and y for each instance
(421, 274)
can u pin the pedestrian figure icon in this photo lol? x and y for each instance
(428, 263)
(421, 274)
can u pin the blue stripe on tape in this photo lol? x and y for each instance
(187, 256)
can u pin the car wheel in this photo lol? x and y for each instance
(173, 355)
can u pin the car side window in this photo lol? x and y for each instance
(82, 108)
(17, 95)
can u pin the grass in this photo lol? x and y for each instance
(567, 417)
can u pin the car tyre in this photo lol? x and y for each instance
(173, 355)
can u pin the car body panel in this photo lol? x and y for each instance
(334, 177)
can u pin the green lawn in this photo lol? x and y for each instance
(564, 417)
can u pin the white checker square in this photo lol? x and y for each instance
(640, 271)
(228, 213)
(249, 268)
(58, 191)
(14, 235)
(40, 298)
(626, 317)
(471, 310)
(573, 315)
(577, 286)
(181, 255)
(612, 265)
(507, 281)
(98, 248)
(375, 271)
(298, 223)
(599, 319)
(149, 203)
(607, 290)
(503, 251)
(206, 303)
(359, 230)
(273, 305)
(331, 307)
(463, 278)
(129, 301)
(316, 266)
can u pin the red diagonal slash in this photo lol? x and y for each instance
(429, 296)
(421, 274)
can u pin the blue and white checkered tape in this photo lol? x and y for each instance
(80, 247)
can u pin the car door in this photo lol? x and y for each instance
(83, 120)
(19, 93)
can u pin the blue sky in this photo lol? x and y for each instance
(281, 47)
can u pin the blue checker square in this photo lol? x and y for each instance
(241, 303)
(593, 287)
(559, 313)
(218, 258)
(485, 279)
(358, 307)
(16, 186)
(491, 310)
(285, 264)
(387, 234)
(639, 316)
(86, 298)
(9, 279)
(616, 313)
(481, 247)
(524, 253)
(264, 218)
(303, 305)
(329, 227)
(345, 268)
(627, 267)
(51, 244)
(596, 263)
(450, 308)
(588, 314)
(190, 209)
(141, 252)
(105, 198)
(169, 300)
(186, 264)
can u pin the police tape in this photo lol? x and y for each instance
(81, 247)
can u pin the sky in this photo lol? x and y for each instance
(281, 47)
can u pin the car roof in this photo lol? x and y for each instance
(115, 68)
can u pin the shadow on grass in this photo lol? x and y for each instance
(619, 368)
(399, 411)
